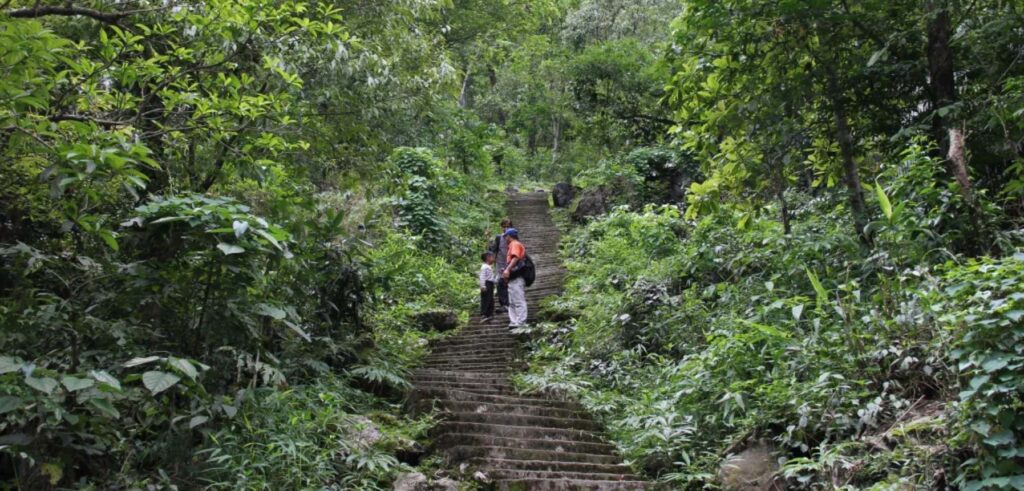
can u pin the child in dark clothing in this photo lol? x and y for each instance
(487, 279)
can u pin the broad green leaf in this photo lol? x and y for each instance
(184, 366)
(134, 362)
(109, 238)
(104, 406)
(883, 201)
(10, 364)
(158, 382)
(818, 288)
(43, 384)
(240, 227)
(9, 403)
(798, 310)
(878, 55)
(229, 249)
(74, 383)
(995, 362)
(197, 420)
(1004, 437)
(53, 470)
(167, 220)
(271, 311)
(105, 379)
(270, 238)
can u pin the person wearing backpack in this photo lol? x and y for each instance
(499, 246)
(517, 310)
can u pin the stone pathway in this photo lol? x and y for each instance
(521, 442)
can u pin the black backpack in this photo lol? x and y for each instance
(526, 270)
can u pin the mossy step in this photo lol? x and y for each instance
(512, 419)
(501, 340)
(478, 454)
(496, 473)
(457, 395)
(458, 375)
(431, 381)
(476, 367)
(553, 466)
(542, 484)
(480, 389)
(488, 440)
(525, 409)
(477, 351)
(513, 431)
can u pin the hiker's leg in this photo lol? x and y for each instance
(517, 302)
(503, 292)
(487, 301)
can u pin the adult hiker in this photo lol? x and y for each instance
(516, 284)
(499, 246)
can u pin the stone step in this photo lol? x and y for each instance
(513, 431)
(501, 474)
(496, 366)
(473, 350)
(456, 395)
(525, 409)
(443, 381)
(618, 470)
(488, 440)
(501, 340)
(458, 375)
(459, 359)
(481, 389)
(548, 484)
(512, 419)
(467, 453)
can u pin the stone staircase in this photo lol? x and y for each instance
(520, 442)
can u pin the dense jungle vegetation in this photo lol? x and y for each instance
(797, 227)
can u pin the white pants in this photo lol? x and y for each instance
(517, 302)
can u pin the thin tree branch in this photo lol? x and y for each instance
(112, 18)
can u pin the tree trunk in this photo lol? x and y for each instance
(957, 160)
(556, 132)
(943, 92)
(784, 211)
(850, 173)
(465, 98)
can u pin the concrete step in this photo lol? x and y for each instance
(513, 431)
(478, 351)
(513, 419)
(558, 484)
(525, 409)
(551, 444)
(459, 375)
(496, 366)
(620, 471)
(485, 389)
(535, 400)
(468, 453)
(511, 473)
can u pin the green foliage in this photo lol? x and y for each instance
(311, 437)
(983, 305)
(689, 337)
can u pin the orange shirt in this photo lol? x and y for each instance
(515, 249)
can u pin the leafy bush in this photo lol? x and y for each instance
(691, 337)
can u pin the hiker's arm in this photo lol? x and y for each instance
(505, 274)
